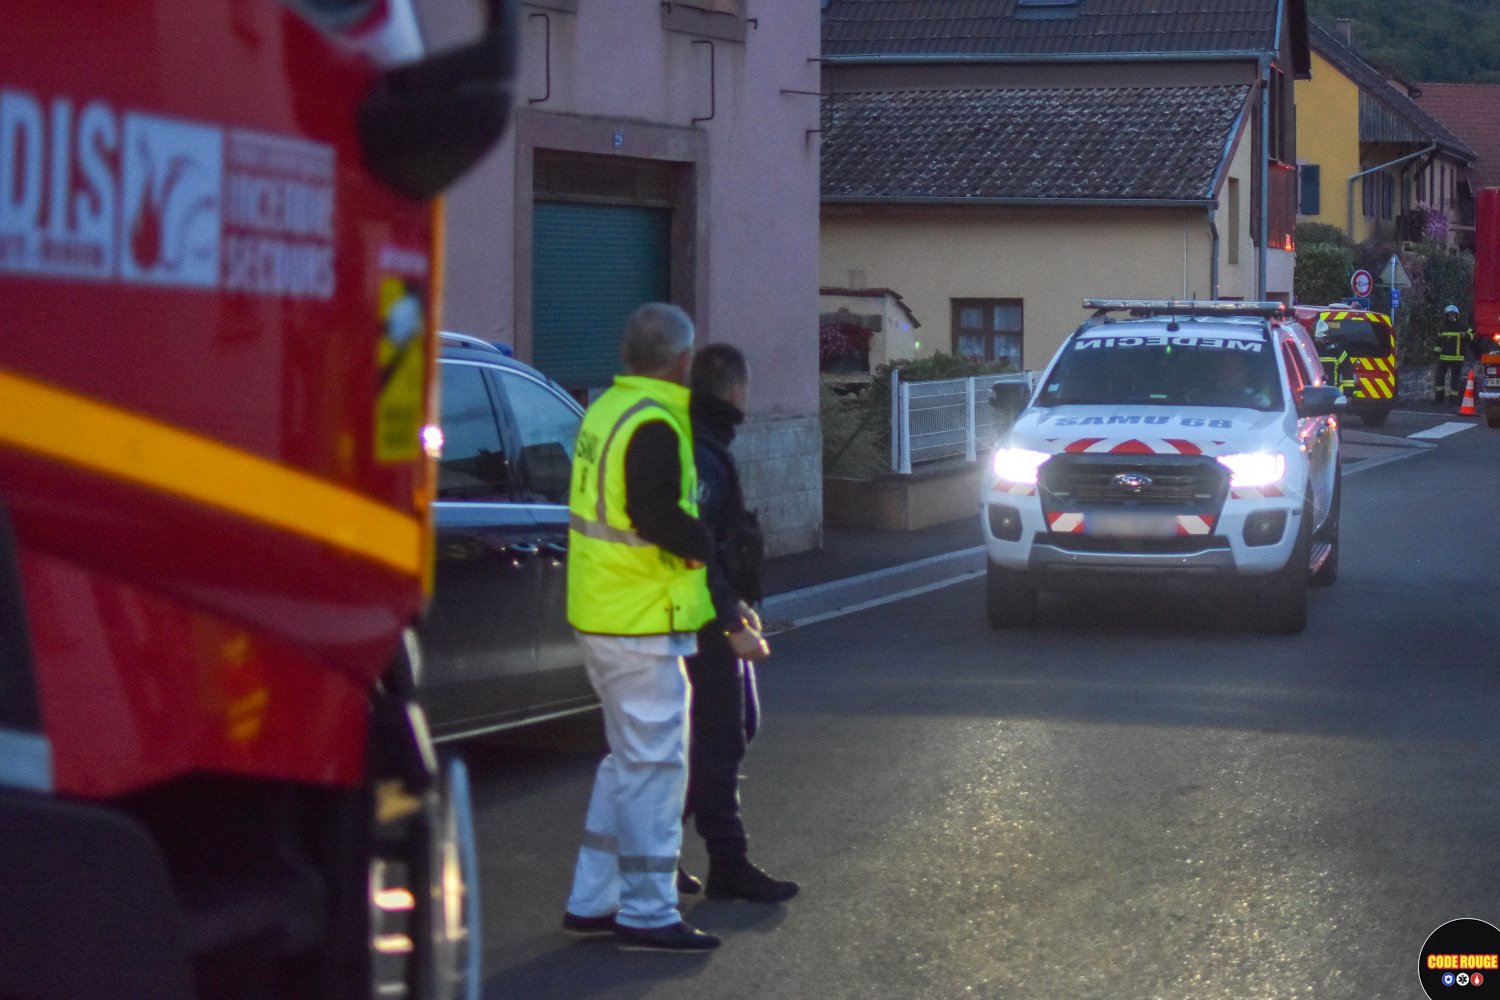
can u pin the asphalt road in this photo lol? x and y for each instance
(1138, 798)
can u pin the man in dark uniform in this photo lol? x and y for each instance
(1453, 345)
(724, 709)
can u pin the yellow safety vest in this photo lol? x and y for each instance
(619, 583)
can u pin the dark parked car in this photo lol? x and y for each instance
(498, 649)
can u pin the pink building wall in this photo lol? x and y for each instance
(627, 78)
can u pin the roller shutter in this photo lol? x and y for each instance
(592, 265)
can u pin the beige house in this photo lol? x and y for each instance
(995, 170)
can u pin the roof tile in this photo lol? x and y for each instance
(1093, 27)
(1470, 111)
(1138, 143)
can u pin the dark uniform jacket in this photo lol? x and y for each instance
(734, 567)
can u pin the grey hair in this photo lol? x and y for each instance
(656, 334)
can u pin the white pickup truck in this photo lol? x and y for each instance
(1168, 445)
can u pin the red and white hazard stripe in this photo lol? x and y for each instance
(1135, 446)
(1188, 524)
(1065, 524)
(1255, 493)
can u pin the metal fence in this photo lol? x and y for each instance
(949, 418)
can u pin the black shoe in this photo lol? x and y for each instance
(584, 927)
(679, 937)
(737, 878)
(688, 884)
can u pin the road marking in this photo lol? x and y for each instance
(875, 602)
(1366, 464)
(873, 575)
(1442, 431)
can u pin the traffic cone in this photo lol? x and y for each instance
(1466, 408)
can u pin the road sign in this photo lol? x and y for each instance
(1394, 274)
(1395, 300)
(1361, 283)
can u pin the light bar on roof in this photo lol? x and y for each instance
(1186, 307)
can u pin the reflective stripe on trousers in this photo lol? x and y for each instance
(633, 833)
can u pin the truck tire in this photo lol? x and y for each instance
(1281, 606)
(1374, 418)
(1009, 601)
(1329, 535)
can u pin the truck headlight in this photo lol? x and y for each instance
(1018, 465)
(1254, 469)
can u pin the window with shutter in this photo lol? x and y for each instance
(1310, 201)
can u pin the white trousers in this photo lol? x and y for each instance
(633, 833)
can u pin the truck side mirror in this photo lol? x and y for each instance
(427, 123)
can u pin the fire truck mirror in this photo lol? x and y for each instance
(427, 123)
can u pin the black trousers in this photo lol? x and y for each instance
(1448, 373)
(716, 746)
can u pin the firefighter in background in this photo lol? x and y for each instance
(1452, 347)
(1337, 368)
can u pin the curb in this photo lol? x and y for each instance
(796, 608)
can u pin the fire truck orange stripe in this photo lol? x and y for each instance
(61, 425)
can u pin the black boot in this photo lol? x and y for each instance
(737, 878)
(688, 884)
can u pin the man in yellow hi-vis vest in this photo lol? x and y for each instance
(637, 595)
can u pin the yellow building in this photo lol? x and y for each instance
(1367, 154)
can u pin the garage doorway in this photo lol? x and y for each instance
(601, 246)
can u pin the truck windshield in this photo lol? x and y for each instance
(1154, 368)
(1360, 337)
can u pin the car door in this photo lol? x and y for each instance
(480, 658)
(546, 424)
(1317, 434)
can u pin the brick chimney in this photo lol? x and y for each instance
(1346, 28)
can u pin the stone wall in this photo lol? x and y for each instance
(1414, 382)
(781, 468)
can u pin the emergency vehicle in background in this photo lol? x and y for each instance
(1487, 302)
(1168, 445)
(1358, 350)
(219, 266)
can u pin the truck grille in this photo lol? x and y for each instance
(1188, 484)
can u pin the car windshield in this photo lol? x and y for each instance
(1360, 337)
(1151, 367)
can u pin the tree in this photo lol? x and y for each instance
(1323, 271)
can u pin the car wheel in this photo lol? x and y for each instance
(1009, 601)
(1281, 607)
(1327, 573)
(1374, 418)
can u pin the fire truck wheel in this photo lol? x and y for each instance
(1009, 601)
(1281, 608)
(1374, 418)
(424, 902)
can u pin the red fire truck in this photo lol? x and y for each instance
(1487, 301)
(219, 266)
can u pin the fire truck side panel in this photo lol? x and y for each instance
(213, 379)
(1487, 264)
